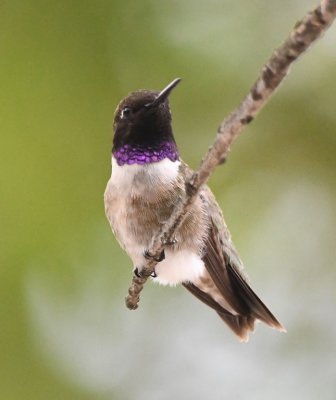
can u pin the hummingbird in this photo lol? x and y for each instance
(148, 178)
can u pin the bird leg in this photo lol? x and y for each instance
(169, 241)
(150, 256)
(139, 274)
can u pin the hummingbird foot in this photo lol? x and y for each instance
(139, 274)
(169, 242)
(150, 256)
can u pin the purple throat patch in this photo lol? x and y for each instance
(145, 155)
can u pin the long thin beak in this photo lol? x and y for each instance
(161, 97)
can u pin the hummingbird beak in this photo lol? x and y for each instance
(161, 97)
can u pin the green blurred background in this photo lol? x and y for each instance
(65, 332)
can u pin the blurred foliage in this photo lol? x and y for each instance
(64, 66)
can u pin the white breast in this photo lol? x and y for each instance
(154, 174)
(129, 181)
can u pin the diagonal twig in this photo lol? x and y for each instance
(304, 33)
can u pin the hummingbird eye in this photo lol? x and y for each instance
(126, 113)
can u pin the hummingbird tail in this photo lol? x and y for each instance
(249, 301)
(239, 324)
(240, 306)
(244, 322)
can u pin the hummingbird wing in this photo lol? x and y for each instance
(225, 286)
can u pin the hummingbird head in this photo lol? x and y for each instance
(142, 127)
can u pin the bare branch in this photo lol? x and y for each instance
(304, 33)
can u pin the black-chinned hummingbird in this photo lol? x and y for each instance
(148, 177)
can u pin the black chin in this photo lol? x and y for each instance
(142, 136)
